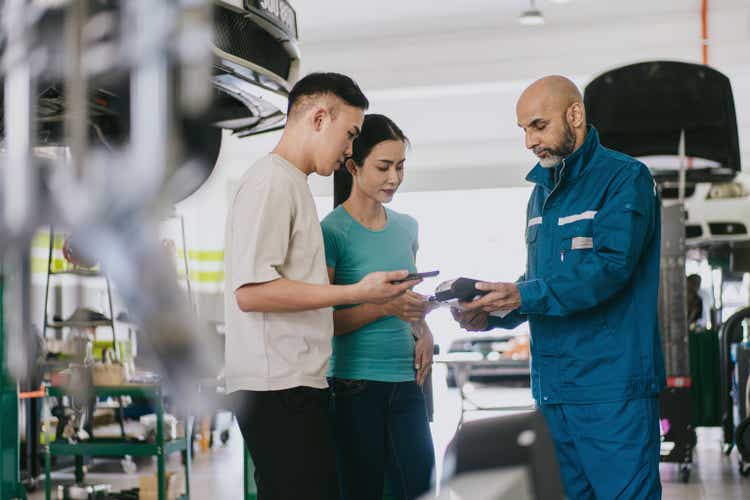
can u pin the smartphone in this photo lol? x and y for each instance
(416, 276)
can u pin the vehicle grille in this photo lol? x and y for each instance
(240, 37)
(727, 228)
(693, 231)
(672, 193)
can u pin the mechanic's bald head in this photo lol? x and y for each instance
(552, 114)
(557, 90)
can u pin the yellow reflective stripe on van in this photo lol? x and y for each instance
(207, 276)
(41, 240)
(204, 255)
(39, 265)
(204, 276)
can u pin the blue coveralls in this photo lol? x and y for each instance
(590, 296)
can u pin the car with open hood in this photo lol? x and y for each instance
(671, 114)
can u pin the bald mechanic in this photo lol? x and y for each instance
(590, 296)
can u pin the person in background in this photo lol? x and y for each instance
(698, 303)
(589, 292)
(278, 298)
(381, 352)
(694, 300)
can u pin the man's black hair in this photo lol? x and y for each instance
(336, 84)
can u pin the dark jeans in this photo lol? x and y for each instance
(288, 435)
(381, 429)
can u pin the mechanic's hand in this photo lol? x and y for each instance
(501, 297)
(423, 351)
(378, 287)
(472, 321)
(409, 306)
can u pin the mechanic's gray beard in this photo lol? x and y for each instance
(555, 156)
(550, 161)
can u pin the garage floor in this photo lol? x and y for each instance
(217, 474)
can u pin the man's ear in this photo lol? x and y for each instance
(575, 115)
(351, 166)
(318, 117)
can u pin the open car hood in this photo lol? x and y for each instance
(642, 108)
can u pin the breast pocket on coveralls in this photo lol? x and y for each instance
(576, 241)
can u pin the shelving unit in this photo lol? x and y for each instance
(160, 448)
(53, 273)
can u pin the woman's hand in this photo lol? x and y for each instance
(409, 306)
(423, 351)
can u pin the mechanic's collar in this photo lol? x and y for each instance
(575, 163)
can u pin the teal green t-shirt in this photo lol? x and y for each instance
(384, 349)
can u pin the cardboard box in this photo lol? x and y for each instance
(148, 486)
(108, 374)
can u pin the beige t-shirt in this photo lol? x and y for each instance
(272, 232)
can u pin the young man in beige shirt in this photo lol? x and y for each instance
(278, 298)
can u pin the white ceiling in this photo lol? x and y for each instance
(449, 72)
(326, 20)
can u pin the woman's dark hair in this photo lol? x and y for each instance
(375, 129)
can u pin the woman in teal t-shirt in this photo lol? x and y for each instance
(381, 352)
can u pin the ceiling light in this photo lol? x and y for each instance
(559, 1)
(531, 17)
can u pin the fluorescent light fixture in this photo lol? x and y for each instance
(531, 17)
(559, 1)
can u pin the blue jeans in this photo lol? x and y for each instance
(381, 429)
